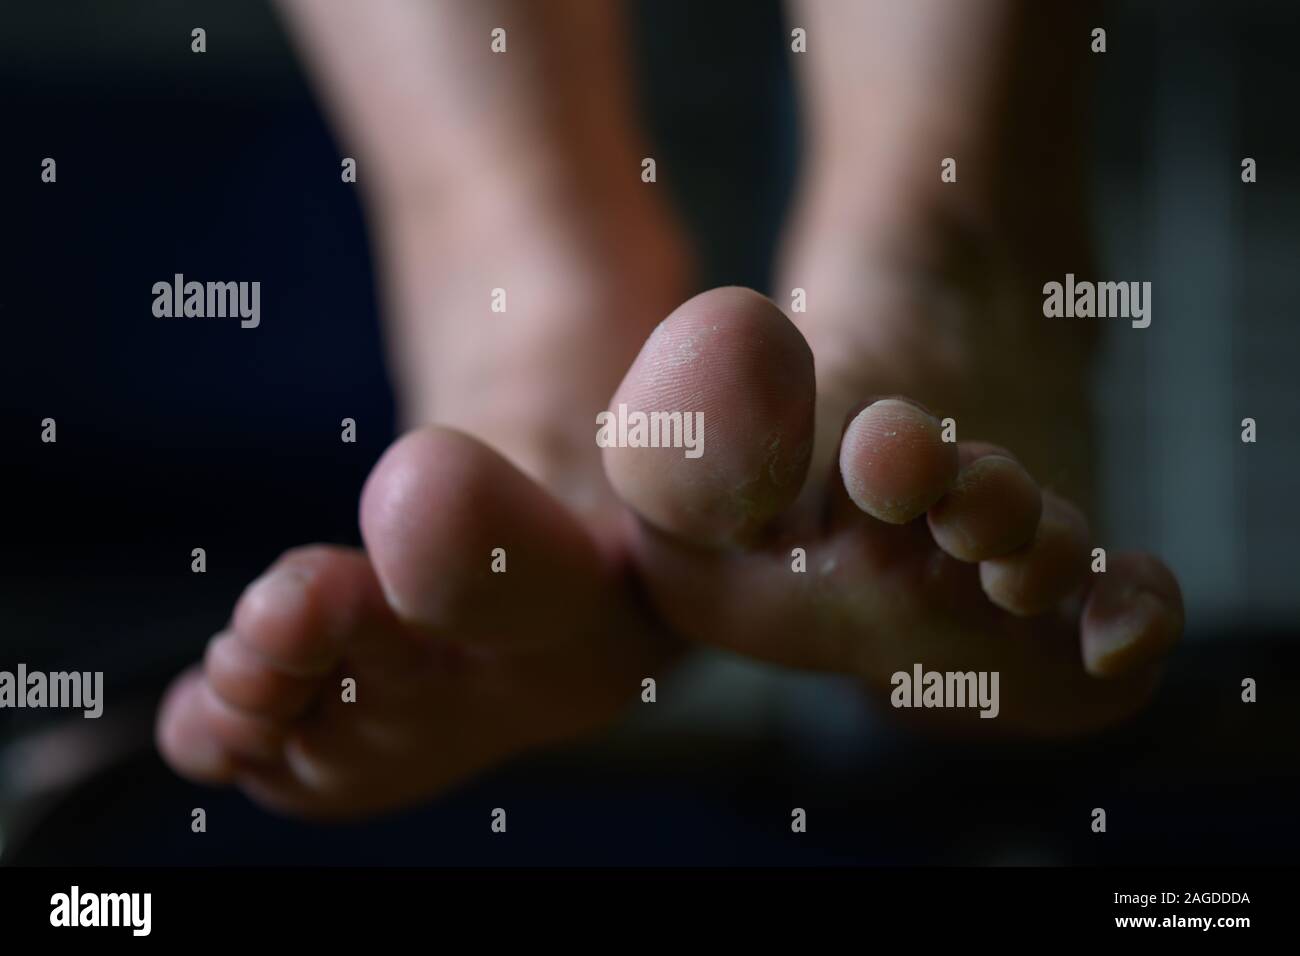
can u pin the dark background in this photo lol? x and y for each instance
(182, 434)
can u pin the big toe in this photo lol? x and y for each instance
(467, 545)
(709, 435)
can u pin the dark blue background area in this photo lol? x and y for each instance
(158, 415)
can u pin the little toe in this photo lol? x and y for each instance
(1133, 616)
(206, 739)
(183, 736)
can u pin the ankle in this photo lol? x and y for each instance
(526, 305)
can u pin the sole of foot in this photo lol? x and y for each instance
(480, 621)
(914, 550)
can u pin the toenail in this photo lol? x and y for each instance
(1145, 612)
(1144, 616)
(282, 591)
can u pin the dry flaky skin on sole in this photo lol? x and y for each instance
(995, 578)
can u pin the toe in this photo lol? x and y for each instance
(206, 739)
(992, 509)
(298, 614)
(1038, 576)
(731, 357)
(183, 737)
(247, 681)
(467, 545)
(1134, 615)
(894, 461)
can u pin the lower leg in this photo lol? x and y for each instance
(919, 285)
(892, 89)
(516, 171)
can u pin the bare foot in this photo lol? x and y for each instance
(995, 578)
(524, 263)
(455, 667)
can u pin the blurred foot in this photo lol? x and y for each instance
(458, 667)
(455, 666)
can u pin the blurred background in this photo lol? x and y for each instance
(176, 435)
